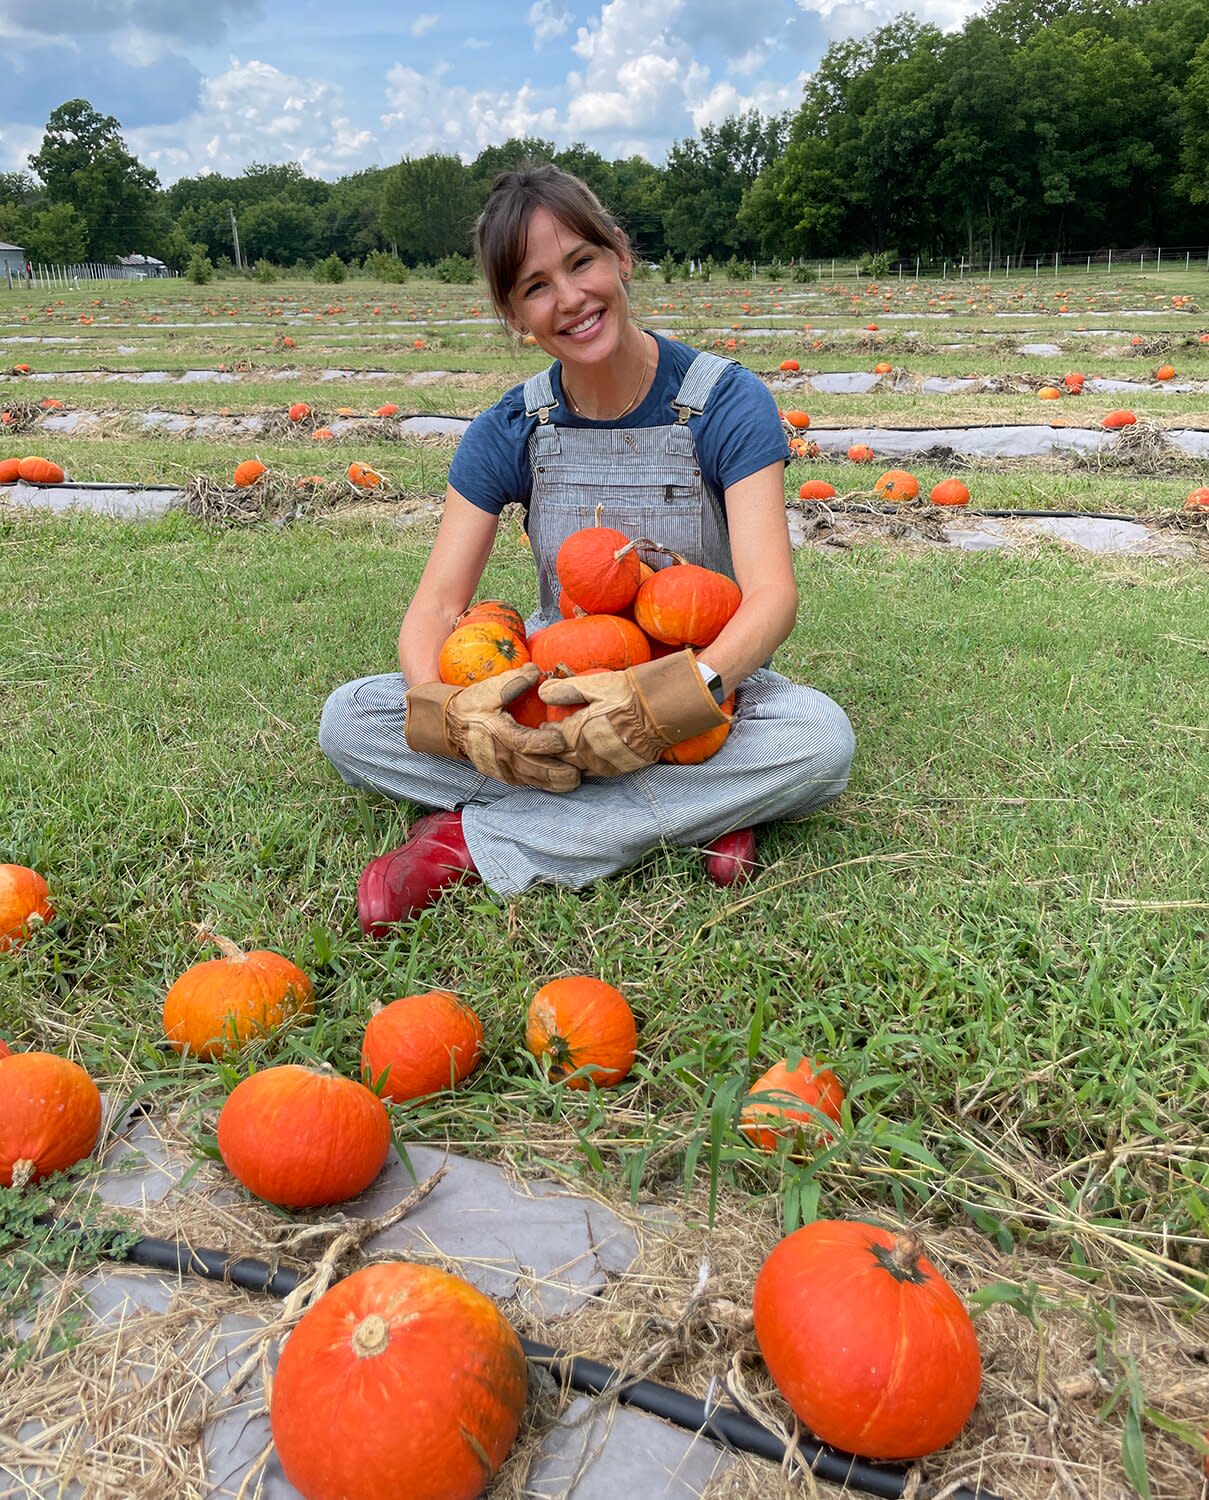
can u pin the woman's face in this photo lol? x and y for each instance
(569, 294)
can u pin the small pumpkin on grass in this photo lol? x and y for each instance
(302, 1137)
(481, 649)
(1119, 418)
(897, 485)
(860, 453)
(770, 1114)
(866, 1340)
(1198, 499)
(883, 368)
(790, 365)
(949, 492)
(387, 409)
(24, 904)
(299, 412)
(218, 1005)
(400, 1381)
(816, 489)
(364, 477)
(798, 420)
(420, 1044)
(40, 471)
(581, 1022)
(1165, 372)
(10, 470)
(50, 1116)
(248, 472)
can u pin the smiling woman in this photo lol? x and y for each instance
(642, 437)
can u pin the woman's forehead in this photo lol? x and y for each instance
(547, 240)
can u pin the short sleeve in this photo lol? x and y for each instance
(741, 430)
(491, 464)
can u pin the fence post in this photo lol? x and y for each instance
(833, 270)
(1158, 260)
(1089, 265)
(1037, 268)
(1110, 259)
(1055, 265)
(1007, 266)
(1141, 260)
(1187, 258)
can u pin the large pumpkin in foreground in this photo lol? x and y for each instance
(24, 904)
(50, 1116)
(866, 1340)
(401, 1383)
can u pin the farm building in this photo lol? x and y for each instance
(12, 260)
(139, 267)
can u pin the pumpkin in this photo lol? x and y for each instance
(40, 471)
(700, 747)
(421, 1043)
(363, 476)
(897, 485)
(389, 409)
(5, 1049)
(1049, 393)
(299, 411)
(474, 652)
(790, 364)
(528, 709)
(24, 904)
(883, 368)
(10, 470)
(302, 1137)
(769, 1107)
(322, 435)
(494, 612)
(52, 403)
(218, 1005)
(599, 568)
(949, 492)
(1115, 420)
(606, 642)
(582, 1022)
(50, 1116)
(400, 1381)
(567, 606)
(686, 605)
(1198, 499)
(797, 419)
(866, 1340)
(248, 472)
(816, 489)
(861, 453)
(1165, 372)
(1073, 382)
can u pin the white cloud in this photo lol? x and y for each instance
(546, 22)
(424, 23)
(476, 43)
(428, 114)
(850, 18)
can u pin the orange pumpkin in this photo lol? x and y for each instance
(700, 747)
(606, 642)
(1198, 499)
(248, 472)
(1049, 393)
(1115, 420)
(770, 1113)
(950, 492)
(861, 453)
(10, 470)
(420, 1044)
(790, 365)
(24, 904)
(217, 1006)
(799, 420)
(883, 368)
(5, 1049)
(363, 476)
(387, 410)
(40, 471)
(582, 1022)
(322, 435)
(816, 489)
(299, 411)
(686, 605)
(1073, 382)
(50, 1116)
(494, 612)
(301, 1137)
(390, 1339)
(599, 568)
(866, 1340)
(897, 485)
(528, 709)
(1165, 372)
(474, 652)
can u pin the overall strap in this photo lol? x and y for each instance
(539, 396)
(699, 380)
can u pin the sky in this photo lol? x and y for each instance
(212, 85)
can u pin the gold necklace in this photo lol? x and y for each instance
(646, 356)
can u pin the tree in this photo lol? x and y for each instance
(1193, 181)
(705, 180)
(56, 235)
(84, 162)
(17, 187)
(428, 208)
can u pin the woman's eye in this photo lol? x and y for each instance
(584, 260)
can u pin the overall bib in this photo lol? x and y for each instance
(788, 752)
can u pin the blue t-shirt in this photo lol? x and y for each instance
(739, 432)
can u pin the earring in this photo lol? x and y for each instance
(625, 276)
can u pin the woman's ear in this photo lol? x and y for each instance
(624, 256)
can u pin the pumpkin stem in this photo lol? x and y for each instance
(908, 1247)
(650, 546)
(23, 1170)
(597, 514)
(371, 1336)
(225, 946)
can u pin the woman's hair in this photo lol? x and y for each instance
(502, 230)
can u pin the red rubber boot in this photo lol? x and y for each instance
(731, 859)
(397, 885)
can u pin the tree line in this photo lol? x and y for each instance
(1039, 125)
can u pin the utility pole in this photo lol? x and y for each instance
(235, 238)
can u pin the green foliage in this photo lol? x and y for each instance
(709, 268)
(705, 180)
(383, 266)
(457, 269)
(428, 208)
(876, 266)
(265, 270)
(54, 234)
(667, 267)
(200, 270)
(736, 269)
(803, 273)
(332, 268)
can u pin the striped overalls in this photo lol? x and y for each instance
(787, 755)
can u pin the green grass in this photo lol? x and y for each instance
(1023, 1047)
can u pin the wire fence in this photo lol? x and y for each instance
(30, 275)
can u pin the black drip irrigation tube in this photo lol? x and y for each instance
(733, 1429)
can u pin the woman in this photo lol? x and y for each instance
(686, 448)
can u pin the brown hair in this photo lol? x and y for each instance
(501, 231)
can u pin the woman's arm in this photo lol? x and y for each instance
(451, 575)
(763, 558)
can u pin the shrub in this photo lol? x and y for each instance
(331, 269)
(264, 270)
(667, 267)
(709, 267)
(459, 269)
(803, 272)
(736, 269)
(877, 266)
(383, 266)
(200, 269)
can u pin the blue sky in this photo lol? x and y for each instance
(203, 85)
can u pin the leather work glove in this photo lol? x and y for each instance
(469, 723)
(629, 717)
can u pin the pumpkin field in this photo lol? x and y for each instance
(983, 972)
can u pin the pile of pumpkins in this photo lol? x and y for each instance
(617, 612)
(32, 470)
(409, 1338)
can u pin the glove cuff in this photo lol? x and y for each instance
(424, 727)
(677, 702)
